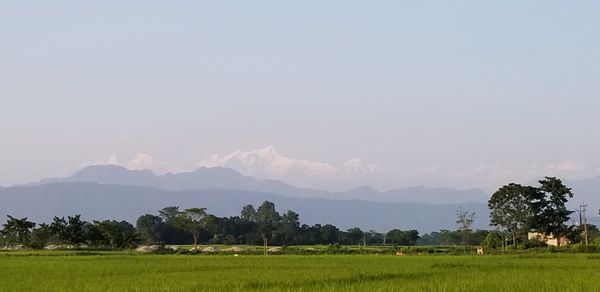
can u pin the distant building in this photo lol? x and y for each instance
(548, 239)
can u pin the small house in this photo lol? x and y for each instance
(548, 239)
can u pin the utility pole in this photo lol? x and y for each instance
(585, 230)
(583, 221)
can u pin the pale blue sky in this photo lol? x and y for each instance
(458, 93)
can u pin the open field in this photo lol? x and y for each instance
(110, 271)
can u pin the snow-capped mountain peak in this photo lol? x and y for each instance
(141, 161)
(269, 163)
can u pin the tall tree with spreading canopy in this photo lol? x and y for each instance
(511, 209)
(16, 230)
(267, 220)
(149, 227)
(169, 214)
(464, 220)
(549, 210)
(192, 220)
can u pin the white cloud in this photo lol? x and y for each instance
(566, 167)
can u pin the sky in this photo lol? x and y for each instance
(439, 93)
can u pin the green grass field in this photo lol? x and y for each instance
(118, 271)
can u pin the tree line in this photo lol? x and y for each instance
(171, 225)
(515, 210)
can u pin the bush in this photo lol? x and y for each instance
(493, 240)
(580, 248)
(334, 248)
(532, 243)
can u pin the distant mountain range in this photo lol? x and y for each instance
(109, 191)
(226, 178)
(103, 201)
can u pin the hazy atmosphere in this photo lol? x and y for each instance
(338, 145)
(331, 95)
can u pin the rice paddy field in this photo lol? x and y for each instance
(128, 271)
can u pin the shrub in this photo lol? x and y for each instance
(532, 243)
(580, 248)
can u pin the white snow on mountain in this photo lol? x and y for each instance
(110, 159)
(269, 163)
(141, 161)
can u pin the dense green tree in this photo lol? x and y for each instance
(16, 230)
(447, 237)
(40, 236)
(69, 231)
(329, 234)
(248, 213)
(373, 237)
(233, 230)
(150, 228)
(549, 210)
(194, 221)
(511, 209)
(169, 214)
(117, 234)
(493, 240)
(427, 239)
(310, 234)
(399, 237)
(355, 236)
(290, 225)
(267, 220)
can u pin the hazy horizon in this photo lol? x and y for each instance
(389, 94)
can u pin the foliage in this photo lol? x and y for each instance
(550, 212)
(290, 226)
(399, 237)
(355, 236)
(249, 213)
(69, 231)
(464, 220)
(40, 236)
(493, 240)
(16, 230)
(149, 228)
(519, 209)
(511, 209)
(532, 243)
(192, 220)
(117, 234)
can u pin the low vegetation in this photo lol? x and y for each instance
(110, 271)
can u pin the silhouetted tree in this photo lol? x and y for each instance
(550, 212)
(511, 208)
(16, 230)
(69, 231)
(150, 228)
(192, 220)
